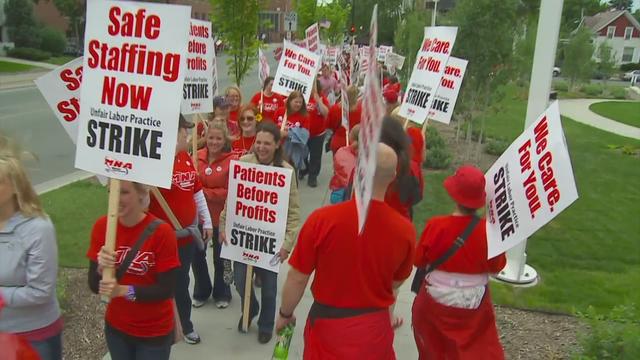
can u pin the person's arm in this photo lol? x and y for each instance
(41, 269)
(293, 217)
(222, 238)
(203, 209)
(162, 289)
(292, 292)
(322, 103)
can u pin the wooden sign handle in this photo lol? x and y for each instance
(112, 225)
(165, 207)
(424, 127)
(284, 121)
(194, 142)
(248, 284)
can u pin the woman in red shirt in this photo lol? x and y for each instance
(318, 109)
(139, 321)
(213, 171)
(266, 101)
(334, 120)
(295, 113)
(234, 99)
(453, 316)
(247, 122)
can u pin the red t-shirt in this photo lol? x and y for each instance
(439, 234)
(317, 122)
(158, 254)
(351, 270)
(293, 120)
(242, 146)
(271, 104)
(184, 184)
(334, 122)
(417, 144)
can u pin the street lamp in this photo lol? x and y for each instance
(435, 11)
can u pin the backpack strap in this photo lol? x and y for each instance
(457, 244)
(124, 266)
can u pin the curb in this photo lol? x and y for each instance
(62, 181)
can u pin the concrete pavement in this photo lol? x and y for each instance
(578, 110)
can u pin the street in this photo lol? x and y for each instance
(26, 116)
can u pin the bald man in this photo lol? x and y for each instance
(356, 275)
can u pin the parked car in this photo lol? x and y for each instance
(556, 71)
(630, 74)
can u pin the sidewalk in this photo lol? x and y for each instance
(578, 110)
(23, 79)
(218, 328)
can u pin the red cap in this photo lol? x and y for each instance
(390, 96)
(466, 187)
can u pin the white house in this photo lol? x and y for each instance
(620, 30)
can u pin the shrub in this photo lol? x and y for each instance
(438, 158)
(496, 146)
(618, 92)
(612, 336)
(592, 89)
(52, 40)
(434, 139)
(630, 66)
(29, 54)
(561, 86)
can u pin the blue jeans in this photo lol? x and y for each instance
(182, 296)
(49, 348)
(121, 348)
(202, 288)
(268, 291)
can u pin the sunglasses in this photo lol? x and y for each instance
(250, 118)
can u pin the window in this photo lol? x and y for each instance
(611, 30)
(627, 32)
(627, 54)
(269, 21)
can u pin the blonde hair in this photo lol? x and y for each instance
(12, 170)
(236, 89)
(225, 135)
(143, 190)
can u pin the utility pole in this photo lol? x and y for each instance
(435, 11)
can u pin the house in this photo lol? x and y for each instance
(620, 30)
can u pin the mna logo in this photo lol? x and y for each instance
(117, 166)
(250, 257)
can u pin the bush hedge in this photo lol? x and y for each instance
(29, 54)
(52, 41)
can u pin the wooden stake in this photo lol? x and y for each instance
(261, 100)
(248, 285)
(284, 121)
(194, 143)
(406, 123)
(348, 133)
(424, 127)
(112, 225)
(165, 207)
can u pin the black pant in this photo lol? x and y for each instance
(315, 155)
(202, 288)
(182, 296)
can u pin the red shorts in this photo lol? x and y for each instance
(367, 336)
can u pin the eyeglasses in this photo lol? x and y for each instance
(250, 118)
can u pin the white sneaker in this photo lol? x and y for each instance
(192, 338)
(198, 303)
(222, 304)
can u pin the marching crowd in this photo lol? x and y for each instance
(356, 274)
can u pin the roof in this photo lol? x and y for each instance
(600, 20)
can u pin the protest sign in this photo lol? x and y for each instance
(277, 53)
(394, 60)
(302, 43)
(257, 210)
(383, 50)
(530, 184)
(312, 34)
(214, 71)
(133, 72)
(332, 55)
(296, 71)
(447, 94)
(344, 101)
(363, 58)
(198, 90)
(427, 72)
(61, 89)
(371, 123)
(263, 67)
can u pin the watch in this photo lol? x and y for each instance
(131, 293)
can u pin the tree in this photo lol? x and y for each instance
(408, 39)
(607, 64)
(74, 10)
(237, 20)
(572, 12)
(389, 12)
(577, 66)
(636, 14)
(21, 23)
(306, 10)
(337, 16)
(485, 38)
(621, 4)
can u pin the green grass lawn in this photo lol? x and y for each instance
(73, 210)
(624, 112)
(11, 67)
(60, 60)
(589, 254)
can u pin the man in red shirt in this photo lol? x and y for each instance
(352, 315)
(187, 202)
